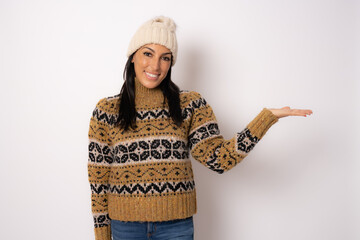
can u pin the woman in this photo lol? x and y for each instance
(139, 143)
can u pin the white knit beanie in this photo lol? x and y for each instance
(159, 30)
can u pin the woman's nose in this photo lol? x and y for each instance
(155, 64)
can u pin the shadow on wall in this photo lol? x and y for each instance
(186, 74)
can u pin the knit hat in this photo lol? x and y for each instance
(159, 30)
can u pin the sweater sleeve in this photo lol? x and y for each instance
(209, 147)
(100, 158)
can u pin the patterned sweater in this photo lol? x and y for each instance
(145, 174)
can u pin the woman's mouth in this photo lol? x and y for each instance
(152, 76)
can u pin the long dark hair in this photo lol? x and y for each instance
(127, 112)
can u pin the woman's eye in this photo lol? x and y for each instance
(147, 54)
(166, 58)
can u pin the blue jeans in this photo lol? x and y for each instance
(180, 229)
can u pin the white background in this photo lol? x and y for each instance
(58, 58)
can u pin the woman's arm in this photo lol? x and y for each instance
(100, 158)
(209, 147)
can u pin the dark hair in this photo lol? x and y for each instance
(127, 112)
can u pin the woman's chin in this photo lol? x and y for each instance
(150, 83)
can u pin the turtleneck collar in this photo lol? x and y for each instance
(146, 97)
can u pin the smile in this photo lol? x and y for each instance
(152, 76)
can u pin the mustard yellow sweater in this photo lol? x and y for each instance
(146, 174)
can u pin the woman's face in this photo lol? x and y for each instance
(151, 63)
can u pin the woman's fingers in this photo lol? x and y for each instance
(287, 111)
(298, 112)
(302, 111)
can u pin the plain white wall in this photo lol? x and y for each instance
(58, 58)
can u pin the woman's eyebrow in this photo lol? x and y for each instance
(150, 49)
(154, 51)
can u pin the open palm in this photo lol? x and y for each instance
(287, 111)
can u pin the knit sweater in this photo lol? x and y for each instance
(145, 174)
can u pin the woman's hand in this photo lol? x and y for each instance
(287, 111)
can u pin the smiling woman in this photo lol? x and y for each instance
(140, 142)
(152, 63)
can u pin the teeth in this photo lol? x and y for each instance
(152, 75)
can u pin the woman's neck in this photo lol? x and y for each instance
(147, 97)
